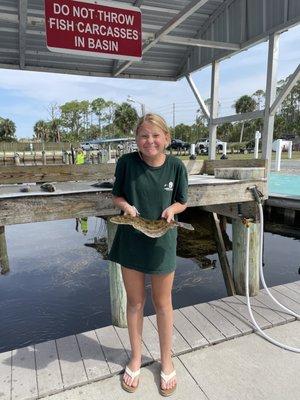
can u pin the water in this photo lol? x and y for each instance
(57, 286)
(284, 184)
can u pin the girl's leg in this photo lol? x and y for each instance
(134, 282)
(162, 301)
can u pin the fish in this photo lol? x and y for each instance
(151, 228)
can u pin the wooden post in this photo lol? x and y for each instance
(118, 299)
(239, 234)
(44, 159)
(4, 262)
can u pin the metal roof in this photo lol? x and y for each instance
(175, 36)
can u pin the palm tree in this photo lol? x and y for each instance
(125, 117)
(243, 105)
(97, 106)
(7, 130)
(41, 130)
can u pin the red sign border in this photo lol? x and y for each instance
(115, 4)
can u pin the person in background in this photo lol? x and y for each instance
(79, 157)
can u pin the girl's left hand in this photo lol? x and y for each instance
(168, 214)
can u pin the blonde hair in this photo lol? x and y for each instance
(156, 120)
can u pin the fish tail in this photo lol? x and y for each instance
(185, 226)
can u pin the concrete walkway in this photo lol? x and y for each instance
(247, 367)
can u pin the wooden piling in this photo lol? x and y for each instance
(4, 262)
(118, 299)
(239, 234)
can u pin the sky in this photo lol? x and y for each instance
(25, 97)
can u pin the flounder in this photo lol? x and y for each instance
(153, 229)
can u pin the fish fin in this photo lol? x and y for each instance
(185, 225)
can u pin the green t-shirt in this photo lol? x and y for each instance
(150, 190)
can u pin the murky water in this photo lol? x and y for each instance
(57, 286)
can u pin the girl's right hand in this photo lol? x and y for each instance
(130, 210)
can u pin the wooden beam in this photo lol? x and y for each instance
(45, 206)
(55, 173)
(231, 192)
(22, 210)
(210, 165)
(247, 209)
(228, 279)
(239, 117)
(199, 42)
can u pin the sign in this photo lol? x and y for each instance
(94, 28)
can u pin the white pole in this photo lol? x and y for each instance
(290, 148)
(192, 150)
(278, 155)
(224, 149)
(257, 137)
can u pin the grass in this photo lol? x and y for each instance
(284, 156)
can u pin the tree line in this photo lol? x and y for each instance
(77, 121)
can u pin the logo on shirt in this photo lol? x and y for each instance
(169, 186)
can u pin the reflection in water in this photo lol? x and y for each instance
(58, 285)
(82, 225)
(200, 243)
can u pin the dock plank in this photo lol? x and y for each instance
(179, 344)
(286, 301)
(124, 337)
(113, 348)
(24, 383)
(194, 338)
(218, 320)
(265, 299)
(290, 293)
(72, 367)
(241, 308)
(49, 379)
(204, 326)
(233, 316)
(293, 286)
(5, 375)
(262, 310)
(92, 355)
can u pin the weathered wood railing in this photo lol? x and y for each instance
(75, 197)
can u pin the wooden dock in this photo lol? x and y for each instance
(57, 365)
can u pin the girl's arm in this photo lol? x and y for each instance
(121, 203)
(175, 208)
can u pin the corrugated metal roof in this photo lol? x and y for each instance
(242, 22)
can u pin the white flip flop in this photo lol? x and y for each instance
(132, 375)
(167, 378)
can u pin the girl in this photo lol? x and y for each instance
(154, 185)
